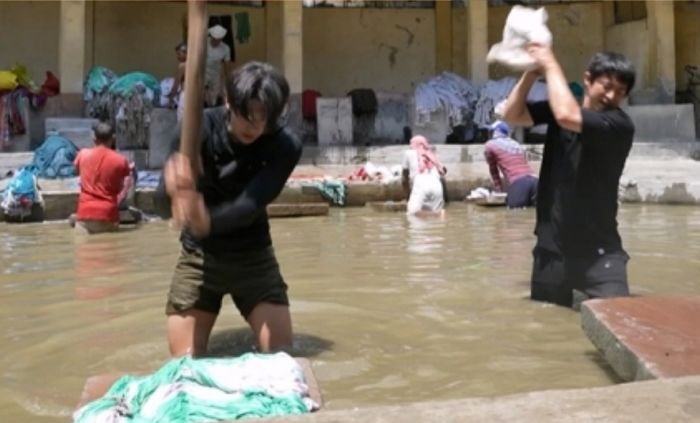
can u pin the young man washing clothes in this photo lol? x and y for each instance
(246, 157)
(578, 244)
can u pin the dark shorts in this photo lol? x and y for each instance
(554, 277)
(202, 279)
(522, 192)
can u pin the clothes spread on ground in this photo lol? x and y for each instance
(523, 25)
(579, 180)
(371, 172)
(446, 93)
(54, 158)
(238, 182)
(187, 390)
(102, 173)
(333, 190)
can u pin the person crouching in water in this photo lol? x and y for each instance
(102, 174)
(507, 156)
(422, 179)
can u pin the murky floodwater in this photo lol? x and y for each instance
(388, 309)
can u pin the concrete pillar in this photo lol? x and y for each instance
(273, 32)
(477, 40)
(71, 46)
(443, 35)
(292, 46)
(662, 49)
(283, 21)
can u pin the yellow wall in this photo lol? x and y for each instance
(131, 36)
(632, 40)
(687, 39)
(388, 49)
(577, 32)
(30, 36)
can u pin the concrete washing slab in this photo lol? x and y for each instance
(666, 400)
(646, 337)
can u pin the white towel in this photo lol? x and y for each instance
(523, 26)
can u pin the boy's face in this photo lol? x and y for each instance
(604, 92)
(181, 55)
(248, 129)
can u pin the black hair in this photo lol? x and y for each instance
(262, 82)
(612, 64)
(181, 46)
(103, 132)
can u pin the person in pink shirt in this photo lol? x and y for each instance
(508, 157)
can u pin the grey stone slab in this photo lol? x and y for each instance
(663, 122)
(667, 400)
(162, 131)
(335, 121)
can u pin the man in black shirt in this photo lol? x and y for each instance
(246, 157)
(578, 245)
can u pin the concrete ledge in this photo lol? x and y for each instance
(645, 337)
(667, 400)
(387, 206)
(297, 210)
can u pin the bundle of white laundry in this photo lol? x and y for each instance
(523, 26)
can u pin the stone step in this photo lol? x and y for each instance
(646, 337)
(387, 206)
(78, 130)
(297, 210)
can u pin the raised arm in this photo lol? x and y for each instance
(515, 111)
(565, 109)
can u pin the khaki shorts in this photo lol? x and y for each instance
(202, 279)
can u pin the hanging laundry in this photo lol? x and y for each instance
(449, 93)
(242, 27)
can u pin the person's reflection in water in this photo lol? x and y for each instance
(96, 266)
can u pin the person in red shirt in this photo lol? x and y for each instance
(102, 172)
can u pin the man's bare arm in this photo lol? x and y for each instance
(515, 111)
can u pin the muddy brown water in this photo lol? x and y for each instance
(389, 309)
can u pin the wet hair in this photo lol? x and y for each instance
(612, 64)
(181, 46)
(104, 132)
(262, 82)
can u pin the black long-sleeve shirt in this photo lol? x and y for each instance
(237, 183)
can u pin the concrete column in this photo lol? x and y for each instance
(273, 32)
(662, 49)
(292, 46)
(477, 39)
(443, 35)
(71, 46)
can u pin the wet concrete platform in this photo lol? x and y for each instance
(665, 400)
(646, 337)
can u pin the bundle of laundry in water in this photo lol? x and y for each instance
(188, 390)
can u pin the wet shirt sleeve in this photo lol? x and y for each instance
(262, 188)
